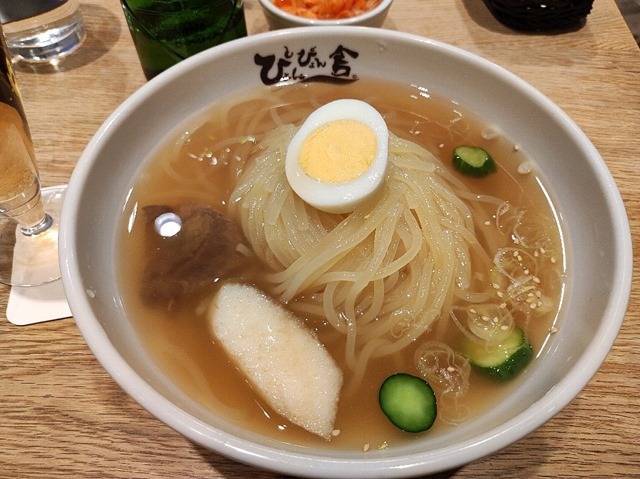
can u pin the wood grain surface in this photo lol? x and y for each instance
(61, 414)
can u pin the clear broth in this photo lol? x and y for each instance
(193, 165)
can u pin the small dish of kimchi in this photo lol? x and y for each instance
(298, 13)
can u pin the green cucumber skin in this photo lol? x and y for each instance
(469, 166)
(408, 402)
(506, 361)
(511, 367)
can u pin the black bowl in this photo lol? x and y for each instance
(540, 15)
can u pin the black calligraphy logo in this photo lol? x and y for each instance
(266, 64)
(340, 65)
(310, 59)
(307, 64)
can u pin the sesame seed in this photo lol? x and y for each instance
(533, 305)
(553, 260)
(542, 251)
(526, 271)
(451, 369)
(500, 294)
(472, 311)
(366, 447)
(554, 330)
(536, 280)
(504, 327)
(487, 223)
(503, 305)
(335, 432)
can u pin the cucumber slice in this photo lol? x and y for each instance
(409, 402)
(473, 161)
(504, 361)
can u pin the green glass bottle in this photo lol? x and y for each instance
(168, 31)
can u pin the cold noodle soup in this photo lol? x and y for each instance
(434, 266)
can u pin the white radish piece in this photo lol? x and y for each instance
(282, 359)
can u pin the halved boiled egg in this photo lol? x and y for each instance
(338, 157)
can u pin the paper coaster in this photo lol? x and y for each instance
(37, 304)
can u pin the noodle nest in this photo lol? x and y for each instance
(381, 275)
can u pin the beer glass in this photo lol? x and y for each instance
(28, 233)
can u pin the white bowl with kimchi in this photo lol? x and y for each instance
(301, 13)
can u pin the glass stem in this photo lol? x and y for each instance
(43, 225)
(28, 211)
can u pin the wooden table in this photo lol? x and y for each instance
(61, 415)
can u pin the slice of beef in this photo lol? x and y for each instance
(202, 251)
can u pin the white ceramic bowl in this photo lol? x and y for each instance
(278, 18)
(593, 217)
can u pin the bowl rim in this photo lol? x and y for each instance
(305, 465)
(303, 21)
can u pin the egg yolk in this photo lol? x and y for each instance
(338, 151)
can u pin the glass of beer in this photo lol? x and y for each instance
(28, 214)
